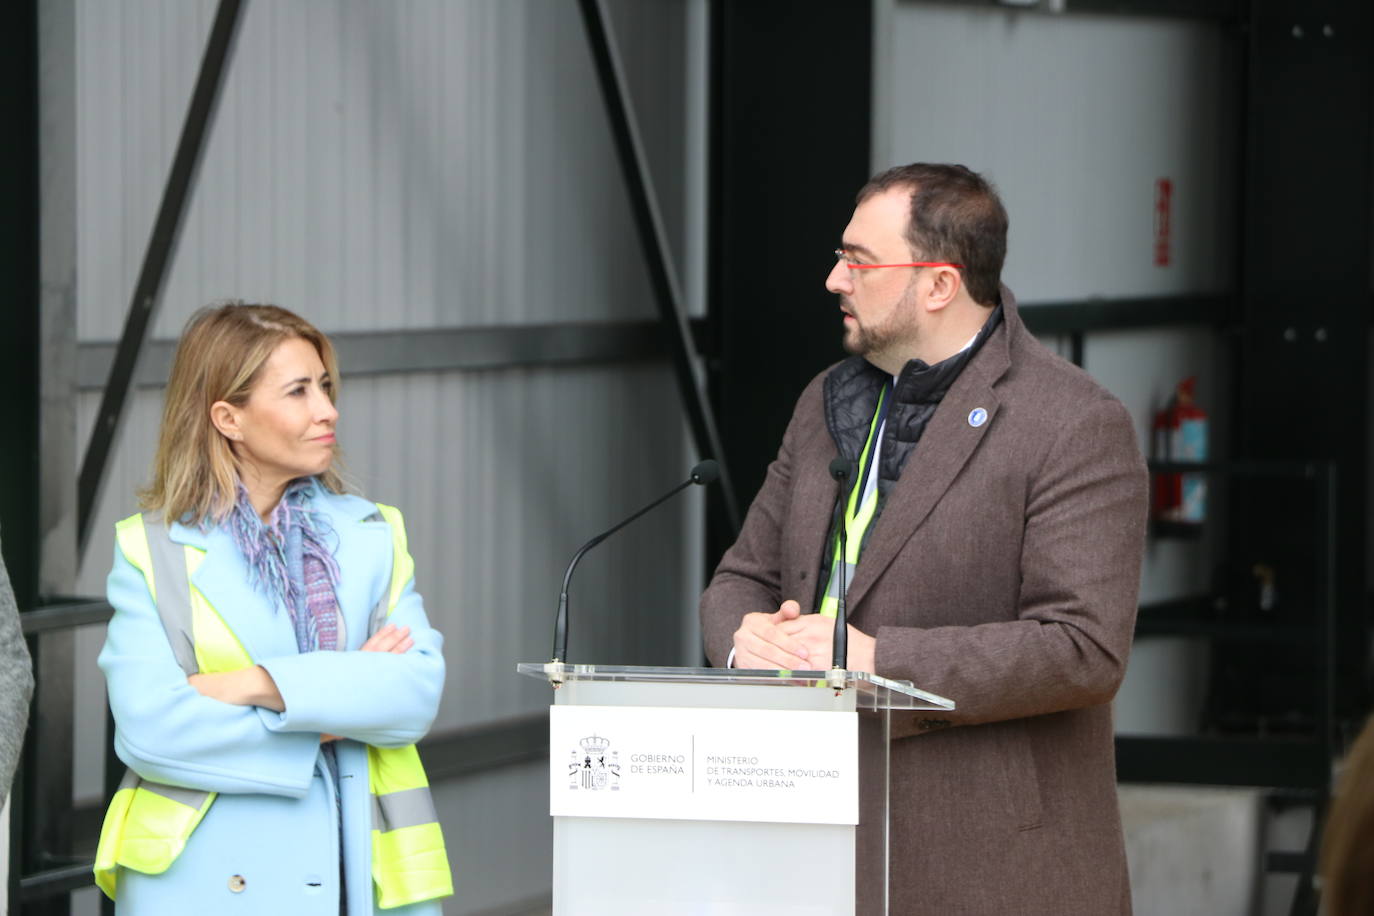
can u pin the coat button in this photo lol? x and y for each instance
(237, 884)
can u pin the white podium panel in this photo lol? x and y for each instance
(688, 763)
(698, 790)
(688, 868)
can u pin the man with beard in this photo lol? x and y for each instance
(995, 528)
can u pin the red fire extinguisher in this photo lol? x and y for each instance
(1180, 434)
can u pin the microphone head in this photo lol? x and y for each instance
(842, 469)
(705, 472)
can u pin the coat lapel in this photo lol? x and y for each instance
(364, 557)
(946, 445)
(258, 620)
(809, 520)
(262, 623)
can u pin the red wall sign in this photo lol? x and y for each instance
(1164, 198)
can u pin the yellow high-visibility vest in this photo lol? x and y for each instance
(858, 515)
(147, 824)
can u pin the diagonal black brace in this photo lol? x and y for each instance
(654, 241)
(157, 257)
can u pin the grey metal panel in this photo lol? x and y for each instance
(1074, 117)
(58, 240)
(490, 745)
(500, 840)
(378, 166)
(525, 465)
(135, 66)
(56, 703)
(128, 472)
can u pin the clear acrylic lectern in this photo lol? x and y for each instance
(699, 858)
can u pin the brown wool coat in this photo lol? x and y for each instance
(1002, 573)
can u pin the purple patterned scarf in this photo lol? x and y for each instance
(289, 558)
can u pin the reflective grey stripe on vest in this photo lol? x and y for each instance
(832, 588)
(173, 592)
(173, 588)
(406, 808)
(191, 798)
(383, 608)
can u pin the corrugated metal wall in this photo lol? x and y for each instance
(1075, 118)
(416, 165)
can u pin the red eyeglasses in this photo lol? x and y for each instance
(841, 255)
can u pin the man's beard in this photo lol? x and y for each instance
(861, 340)
(893, 333)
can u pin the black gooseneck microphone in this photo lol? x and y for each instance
(705, 472)
(842, 469)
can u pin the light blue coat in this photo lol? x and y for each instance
(275, 822)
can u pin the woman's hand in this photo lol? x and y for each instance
(389, 638)
(251, 686)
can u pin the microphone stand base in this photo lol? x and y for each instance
(834, 678)
(554, 671)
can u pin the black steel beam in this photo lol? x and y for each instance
(20, 340)
(1295, 469)
(791, 118)
(66, 615)
(1124, 314)
(51, 882)
(1231, 760)
(158, 255)
(653, 239)
(1076, 340)
(1291, 863)
(1227, 11)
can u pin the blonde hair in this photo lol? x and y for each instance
(219, 358)
(1347, 853)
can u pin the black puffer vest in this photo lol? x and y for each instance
(850, 396)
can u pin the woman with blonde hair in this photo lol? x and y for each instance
(1347, 853)
(269, 662)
